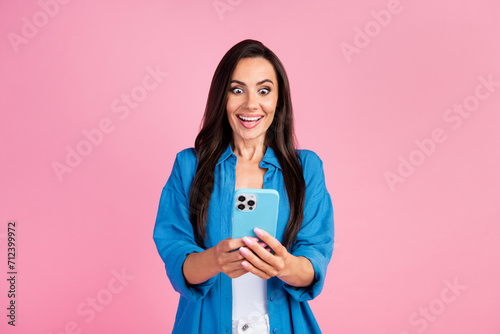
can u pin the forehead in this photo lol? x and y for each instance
(254, 70)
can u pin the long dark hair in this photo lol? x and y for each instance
(216, 134)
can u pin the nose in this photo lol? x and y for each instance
(252, 101)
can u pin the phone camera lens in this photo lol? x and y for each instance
(241, 198)
(251, 202)
(250, 208)
(241, 206)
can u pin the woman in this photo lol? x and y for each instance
(246, 141)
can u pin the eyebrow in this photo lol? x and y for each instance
(258, 83)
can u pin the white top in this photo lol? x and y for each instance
(249, 297)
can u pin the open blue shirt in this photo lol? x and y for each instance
(206, 308)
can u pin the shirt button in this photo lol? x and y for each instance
(269, 178)
(245, 327)
(275, 330)
(272, 298)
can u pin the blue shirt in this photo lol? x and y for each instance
(206, 308)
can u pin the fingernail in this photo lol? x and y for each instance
(247, 241)
(244, 251)
(244, 264)
(258, 231)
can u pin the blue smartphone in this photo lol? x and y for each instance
(254, 208)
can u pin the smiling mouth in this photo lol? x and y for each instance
(249, 122)
(249, 119)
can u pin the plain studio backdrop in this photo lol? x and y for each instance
(399, 98)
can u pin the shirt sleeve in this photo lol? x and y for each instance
(315, 238)
(173, 232)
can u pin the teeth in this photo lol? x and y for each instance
(250, 119)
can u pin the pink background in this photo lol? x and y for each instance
(398, 249)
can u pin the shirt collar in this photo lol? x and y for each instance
(226, 155)
(269, 157)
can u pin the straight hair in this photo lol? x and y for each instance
(216, 134)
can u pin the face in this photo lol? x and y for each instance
(252, 99)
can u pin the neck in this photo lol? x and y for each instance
(249, 150)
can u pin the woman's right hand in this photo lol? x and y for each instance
(228, 261)
(199, 267)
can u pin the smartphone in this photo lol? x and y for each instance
(254, 208)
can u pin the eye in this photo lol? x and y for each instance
(237, 90)
(264, 91)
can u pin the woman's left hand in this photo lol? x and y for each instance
(296, 271)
